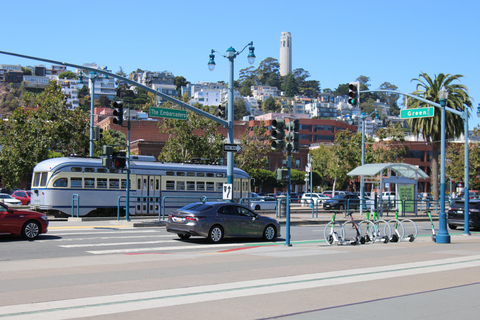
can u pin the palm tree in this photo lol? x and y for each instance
(429, 128)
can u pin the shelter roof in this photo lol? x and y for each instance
(401, 169)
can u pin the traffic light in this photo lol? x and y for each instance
(353, 88)
(293, 144)
(282, 174)
(221, 111)
(118, 112)
(278, 134)
(119, 160)
(98, 134)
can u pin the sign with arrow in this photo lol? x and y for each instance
(227, 191)
(231, 147)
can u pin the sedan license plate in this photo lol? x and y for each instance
(177, 219)
(460, 211)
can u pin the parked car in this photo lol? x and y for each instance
(341, 201)
(263, 203)
(317, 198)
(295, 197)
(23, 196)
(26, 223)
(330, 194)
(388, 196)
(456, 214)
(218, 220)
(8, 199)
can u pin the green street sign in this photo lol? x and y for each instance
(417, 113)
(168, 113)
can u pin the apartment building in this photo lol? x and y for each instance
(262, 93)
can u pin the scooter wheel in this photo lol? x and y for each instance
(434, 238)
(411, 238)
(394, 238)
(385, 239)
(362, 240)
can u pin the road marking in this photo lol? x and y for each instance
(73, 233)
(128, 302)
(113, 237)
(112, 226)
(108, 244)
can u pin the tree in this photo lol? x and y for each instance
(270, 105)
(430, 128)
(30, 135)
(239, 109)
(291, 86)
(255, 147)
(179, 83)
(268, 72)
(67, 75)
(263, 179)
(194, 138)
(390, 147)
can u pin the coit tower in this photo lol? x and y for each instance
(285, 53)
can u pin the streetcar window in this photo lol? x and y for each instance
(43, 179)
(200, 174)
(76, 182)
(170, 185)
(102, 183)
(62, 182)
(190, 174)
(170, 173)
(180, 173)
(181, 185)
(209, 174)
(210, 186)
(102, 170)
(200, 186)
(114, 184)
(76, 169)
(36, 178)
(89, 169)
(157, 184)
(113, 170)
(89, 182)
(190, 185)
(139, 184)
(124, 183)
(219, 186)
(219, 175)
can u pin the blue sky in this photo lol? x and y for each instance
(335, 41)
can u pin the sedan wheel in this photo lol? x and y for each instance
(269, 233)
(31, 230)
(216, 234)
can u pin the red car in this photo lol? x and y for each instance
(28, 224)
(23, 196)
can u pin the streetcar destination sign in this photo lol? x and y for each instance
(417, 113)
(168, 113)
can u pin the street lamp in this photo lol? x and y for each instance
(92, 76)
(362, 117)
(231, 55)
(443, 236)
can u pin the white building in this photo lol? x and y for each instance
(262, 93)
(207, 97)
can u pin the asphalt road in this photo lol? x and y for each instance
(94, 270)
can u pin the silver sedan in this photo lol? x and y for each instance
(218, 220)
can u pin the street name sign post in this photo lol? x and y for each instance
(417, 113)
(168, 113)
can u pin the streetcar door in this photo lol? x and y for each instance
(142, 192)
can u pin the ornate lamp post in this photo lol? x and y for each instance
(231, 55)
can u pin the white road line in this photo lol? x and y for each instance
(191, 247)
(113, 237)
(128, 302)
(93, 231)
(108, 244)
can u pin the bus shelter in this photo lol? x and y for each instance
(401, 178)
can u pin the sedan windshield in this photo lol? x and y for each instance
(339, 196)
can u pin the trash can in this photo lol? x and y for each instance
(282, 206)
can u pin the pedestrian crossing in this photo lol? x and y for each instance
(132, 241)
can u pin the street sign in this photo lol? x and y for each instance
(168, 113)
(417, 113)
(231, 147)
(227, 191)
